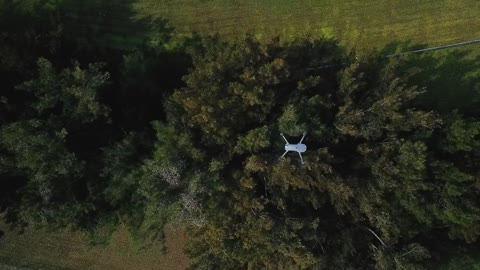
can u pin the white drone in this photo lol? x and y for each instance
(299, 147)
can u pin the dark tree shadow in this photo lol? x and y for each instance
(110, 25)
(144, 60)
(451, 76)
(144, 57)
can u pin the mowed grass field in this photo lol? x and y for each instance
(359, 24)
(36, 249)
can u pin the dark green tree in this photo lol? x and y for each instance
(47, 146)
(381, 177)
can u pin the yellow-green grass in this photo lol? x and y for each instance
(37, 249)
(357, 24)
(360, 24)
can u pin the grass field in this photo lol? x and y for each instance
(356, 23)
(54, 251)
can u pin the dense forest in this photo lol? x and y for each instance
(184, 131)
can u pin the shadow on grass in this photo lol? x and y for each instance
(451, 76)
(144, 57)
(110, 25)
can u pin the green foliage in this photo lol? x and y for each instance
(463, 263)
(254, 141)
(407, 258)
(374, 160)
(385, 173)
(38, 152)
(74, 91)
(290, 123)
(462, 134)
(32, 144)
(38, 146)
(121, 168)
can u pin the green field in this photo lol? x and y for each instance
(360, 25)
(38, 249)
(357, 24)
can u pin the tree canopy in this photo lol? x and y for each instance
(381, 179)
(185, 133)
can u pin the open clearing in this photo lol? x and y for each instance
(38, 249)
(356, 23)
(361, 25)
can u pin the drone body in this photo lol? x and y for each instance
(299, 147)
(296, 147)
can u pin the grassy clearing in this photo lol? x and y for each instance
(69, 250)
(360, 25)
(357, 24)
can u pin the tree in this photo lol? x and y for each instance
(369, 191)
(43, 147)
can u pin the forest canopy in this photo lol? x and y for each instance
(186, 133)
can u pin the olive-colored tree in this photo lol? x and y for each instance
(380, 176)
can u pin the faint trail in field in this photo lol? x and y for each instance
(454, 45)
(438, 48)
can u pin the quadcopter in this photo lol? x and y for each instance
(299, 147)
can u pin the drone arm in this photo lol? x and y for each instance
(281, 134)
(301, 140)
(301, 159)
(284, 154)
